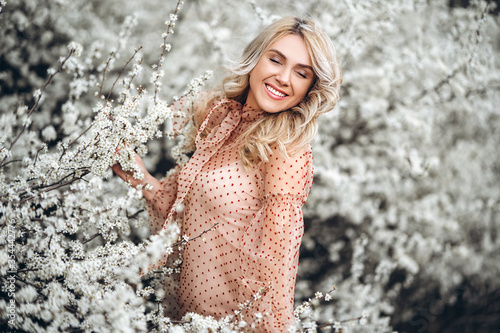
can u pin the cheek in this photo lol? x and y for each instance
(256, 74)
(304, 90)
(310, 86)
(252, 78)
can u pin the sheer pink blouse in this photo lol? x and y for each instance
(260, 225)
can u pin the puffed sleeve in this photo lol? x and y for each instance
(270, 248)
(161, 203)
(190, 109)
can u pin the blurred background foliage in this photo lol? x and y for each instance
(404, 215)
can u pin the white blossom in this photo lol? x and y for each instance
(406, 165)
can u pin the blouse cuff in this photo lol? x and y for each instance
(284, 198)
(159, 206)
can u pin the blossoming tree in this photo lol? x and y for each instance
(402, 220)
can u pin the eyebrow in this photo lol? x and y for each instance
(284, 57)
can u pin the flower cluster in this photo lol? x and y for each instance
(402, 217)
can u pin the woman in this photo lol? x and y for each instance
(249, 175)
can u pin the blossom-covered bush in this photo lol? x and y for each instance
(403, 217)
(402, 221)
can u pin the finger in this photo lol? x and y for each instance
(119, 172)
(116, 168)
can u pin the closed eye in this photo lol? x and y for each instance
(304, 75)
(276, 61)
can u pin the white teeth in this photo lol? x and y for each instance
(274, 91)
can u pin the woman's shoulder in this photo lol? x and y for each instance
(289, 162)
(282, 155)
(288, 172)
(206, 101)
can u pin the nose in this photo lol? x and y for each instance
(283, 77)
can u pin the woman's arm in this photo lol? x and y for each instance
(270, 245)
(160, 196)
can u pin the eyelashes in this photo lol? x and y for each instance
(277, 61)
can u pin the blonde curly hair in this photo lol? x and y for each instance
(291, 129)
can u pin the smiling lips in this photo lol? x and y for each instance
(274, 93)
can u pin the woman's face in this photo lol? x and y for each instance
(282, 77)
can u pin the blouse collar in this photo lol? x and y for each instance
(236, 113)
(249, 113)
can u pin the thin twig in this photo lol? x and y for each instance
(184, 241)
(191, 239)
(24, 270)
(42, 90)
(72, 142)
(91, 238)
(135, 214)
(55, 186)
(261, 293)
(466, 63)
(27, 282)
(170, 28)
(121, 72)
(111, 56)
(342, 322)
(38, 152)
(13, 161)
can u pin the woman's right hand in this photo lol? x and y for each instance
(128, 176)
